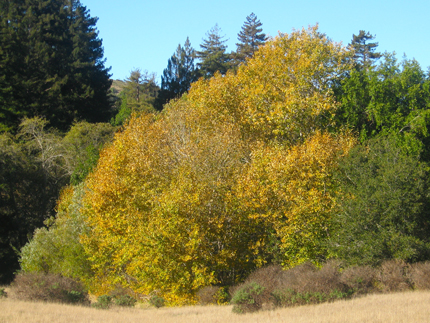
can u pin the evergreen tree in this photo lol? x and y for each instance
(213, 57)
(51, 64)
(140, 91)
(383, 208)
(138, 94)
(365, 53)
(250, 38)
(178, 75)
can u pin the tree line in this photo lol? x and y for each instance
(299, 150)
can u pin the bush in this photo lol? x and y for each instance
(393, 276)
(305, 284)
(157, 301)
(213, 295)
(360, 279)
(250, 297)
(125, 300)
(103, 302)
(3, 293)
(48, 288)
(207, 295)
(419, 274)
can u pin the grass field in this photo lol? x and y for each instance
(398, 307)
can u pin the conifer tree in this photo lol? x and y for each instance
(178, 75)
(250, 38)
(51, 64)
(365, 53)
(213, 57)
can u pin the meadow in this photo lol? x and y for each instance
(396, 307)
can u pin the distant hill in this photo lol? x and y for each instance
(117, 86)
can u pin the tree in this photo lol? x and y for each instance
(32, 171)
(190, 197)
(34, 166)
(383, 205)
(250, 38)
(140, 91)
(56, 248)
(365, 53)
(178, 76)
(298, 71)
(213, 57)
(291, 191)
(138, 94)
(51, 64)
(392, 97)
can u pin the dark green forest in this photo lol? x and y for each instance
(62, 118)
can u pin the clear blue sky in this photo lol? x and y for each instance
(144, 34)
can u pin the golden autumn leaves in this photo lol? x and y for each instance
(232, 175)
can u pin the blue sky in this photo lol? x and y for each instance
(144, 34)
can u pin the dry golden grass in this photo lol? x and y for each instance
(398, 307)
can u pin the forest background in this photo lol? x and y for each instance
(286, 150)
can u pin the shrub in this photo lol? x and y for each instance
(207, 295)
(213, 295)
(157, 301)
(249, 298)
(419, 274)
(360, 279)
(49, 288)
(103, 302)
(305, 284)
(125, 300)
(393, 276)
(3, 293)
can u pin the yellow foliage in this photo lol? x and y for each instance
(284, 92)
(195, 195)
(292, 189)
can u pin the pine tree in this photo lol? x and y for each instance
(365, 53)
(213, 57)
(178, 75)
(250, 38)
(51, 64)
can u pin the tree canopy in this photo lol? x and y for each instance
(212, 55)
(250, 38)
(51, 64)
(188, 198)
(365, 54)
(179, 74)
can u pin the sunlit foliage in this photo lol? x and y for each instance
(240, 166)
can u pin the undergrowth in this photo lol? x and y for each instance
(272, 286)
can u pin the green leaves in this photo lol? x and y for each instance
(51, 64)
(383, 206)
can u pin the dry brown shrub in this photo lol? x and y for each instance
(325, 280)
(419, 274)
(392, 276)
(207, 295)
(306, 284)
(269, 277)
(48, 288)
(298, 277)
(361, 279)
